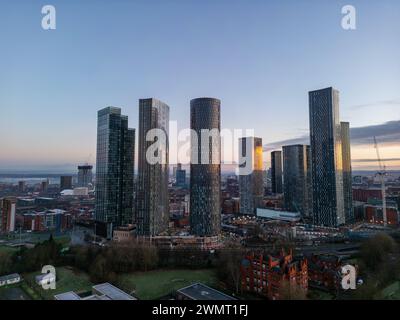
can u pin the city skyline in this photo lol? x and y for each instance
(64, 88)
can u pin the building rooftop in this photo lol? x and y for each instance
(198, 291)
(67, 296)
(9, 277)
(112, 292)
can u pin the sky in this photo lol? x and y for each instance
(260, 58)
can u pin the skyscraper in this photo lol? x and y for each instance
(85, 175)
(347, 174)
(276, 171)
(7, 214)
(326, 158)
(65, 182)
(205, 167)
(251, 187)
(114, 171)
(152, 195)
(297, 179)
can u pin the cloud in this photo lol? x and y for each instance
(385, 133)
(395, 102)
(375, 160)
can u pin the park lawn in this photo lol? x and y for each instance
(8, 249)
(68, 279)
(153, 285)
(391, 292)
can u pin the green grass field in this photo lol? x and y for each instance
(156, 284)
(8, 249)
(68, 279)
(391, 292)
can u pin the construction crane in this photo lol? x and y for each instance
(381, 174)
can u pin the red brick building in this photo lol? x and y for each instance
(265, 275)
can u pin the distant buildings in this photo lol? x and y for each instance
(276, 171)
(326, 158)
(180, 176)
(297, 179)
(49, 220)
(44, 186)
(152, 215)
(85, 175)
(21, 186)
(7, 214)
(65, 182)
(251, 187)
(347, 174)
(114, 171)
(205, 167)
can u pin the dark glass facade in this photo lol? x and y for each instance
(326, 158)
(276, 172)
(205, 178)
(297, 179)
(347, 172)
(114, 170)
(65, 182)
(152, 190)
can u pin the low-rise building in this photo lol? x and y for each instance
(9, 279)
(103, 291)
(266, 275)
(199, 291)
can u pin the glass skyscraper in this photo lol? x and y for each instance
(205, 167)
(297, 179)
(251, 188)
(152, 190)
(347, 172)
(276, 171)
(326, 158)
(114, 171)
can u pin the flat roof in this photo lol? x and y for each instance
(96, 297)
(67, 296)
(199, 291)
(112, 292)
(10, 277)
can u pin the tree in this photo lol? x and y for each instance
(291, 291)
(375, 251)
(230, 260)
(5, 263)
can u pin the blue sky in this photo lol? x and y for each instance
(259, 57)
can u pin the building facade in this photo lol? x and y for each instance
(152, 189)
(297, 179)
(180, 176)
(114, 170)
(326, 158)
(347, 172)
(268, 275)
(205, 167)
(276, 171)
(85, 175)
(65, 182)
(251, 188)
(7, 214)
